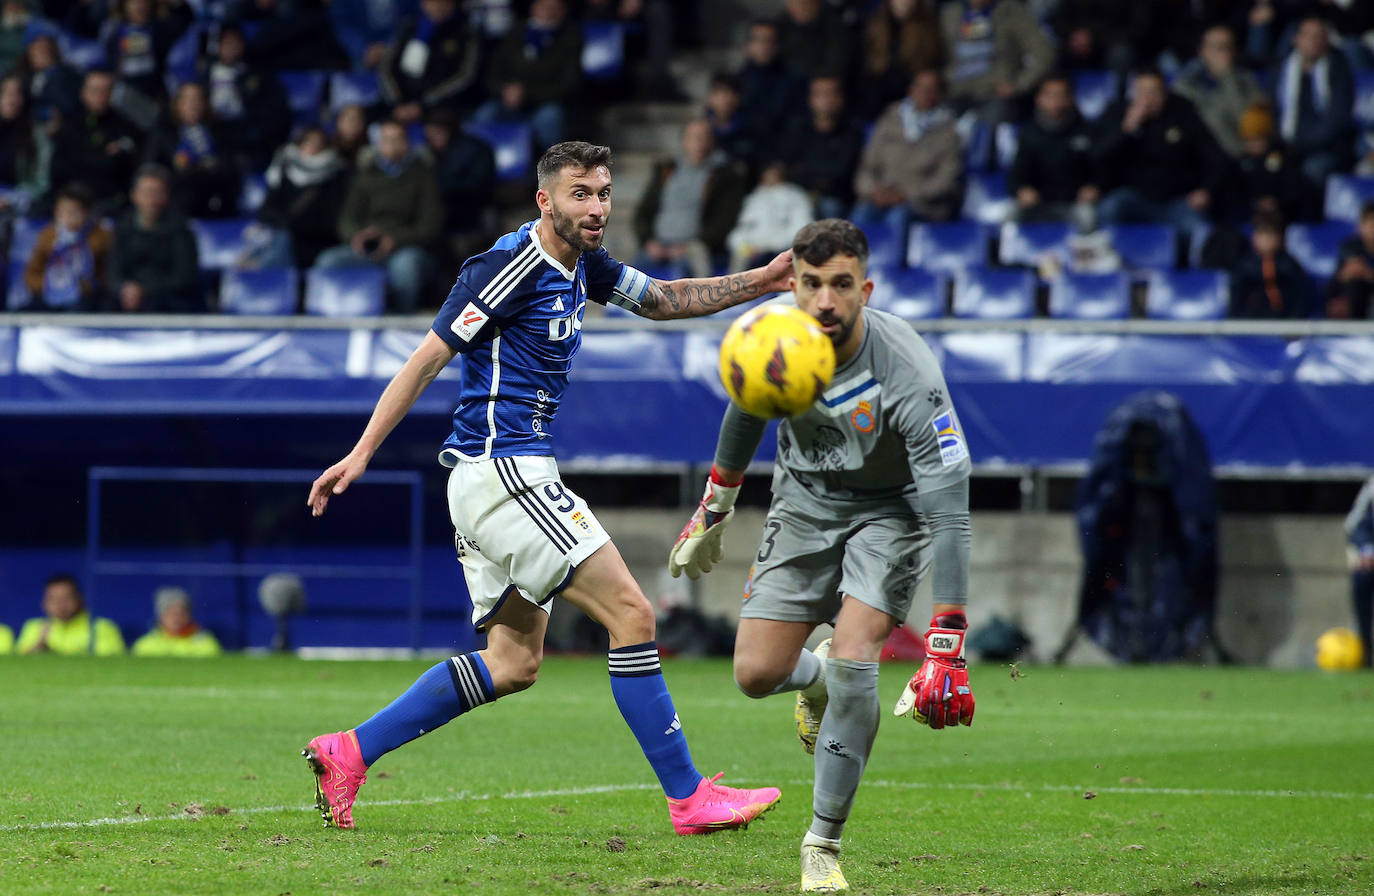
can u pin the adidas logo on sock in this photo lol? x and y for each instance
(676, 726)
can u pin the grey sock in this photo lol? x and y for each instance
(845, 741)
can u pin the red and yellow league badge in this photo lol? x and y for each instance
(862, 418)
(749, 582)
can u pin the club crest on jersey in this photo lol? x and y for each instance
(953, 448)
(581, 520)
(468, 322)
(862, 418)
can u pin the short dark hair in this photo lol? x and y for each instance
(726, 80)
(1267, 220)
(820, 241)
(77, 192)
(1056, 77)
(63, 578)
(570, 154)
(1367, 210)
(155, 171)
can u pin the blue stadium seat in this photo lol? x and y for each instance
(1317, 246)
(1145, 245)
(985, 197)
(884, 245)
(909, 293)
(948, 246)
(183, 55)
(1027, 243)
(253, 193)
(16, 293)
(345, 292)
(1364, 99)
(220, 242)
(353, 88)
(265, 291)
(603, 50)
(1076, 296)
(511, 144)
(1345, 194)
(304, 94)
(977, 138)
(988, 293)
(1095, 91)
(81, 54)
(1188, 295)
(23, 234)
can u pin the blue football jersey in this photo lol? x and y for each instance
(515, 315)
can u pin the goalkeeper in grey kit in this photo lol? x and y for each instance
(870, 489)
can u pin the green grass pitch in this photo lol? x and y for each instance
(161, 777)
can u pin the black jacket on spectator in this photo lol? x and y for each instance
(162, 260)
(823, 163)
(266, 120)
(551, 76)
(1055, 160)
(451, 71)
(769, 99)
(1168, 157)
(56, 89)
(1275, 175)
(80, 154)
(305, 198)
(466, 172)
(290, 35)
(822, 47)
(206, 184)
(1250, 299)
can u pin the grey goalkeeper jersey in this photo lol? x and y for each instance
(885, 429)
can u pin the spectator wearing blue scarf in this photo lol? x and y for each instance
(206, 181)
(137, 37)
(67, 268)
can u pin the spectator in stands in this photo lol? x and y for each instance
(822, 149)
(391, 217)
(1268, 282)
(465, 168)
(306, 183)
(18, 26)
(1219, 89)
(729, 127)
(350, 133)
(54, 87)
(433, 59)
(153, 261)
(770, 96)
(535, 72)
(1350, 294)
(137, 36)
(1052, 176)
(900, 38)
(67, 267)
(1359, 531)
(97, 147)
(771, 216)
(998, 53)
(365, 28)
(1268, 176)
(652, 27)
(25, 150)
(1159, 158)
(690, 205)
(248, 100)
(65, 626)
(913, 163)
(1096, 34)
(1315, 97)
(196, 149)
(177, 634)
(290, 35)
(816, 39)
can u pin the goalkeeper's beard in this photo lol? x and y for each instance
(843, 330)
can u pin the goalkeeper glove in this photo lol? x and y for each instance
(939, 693)
(699, 547)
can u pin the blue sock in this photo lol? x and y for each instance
(444, 692)
(642, 695)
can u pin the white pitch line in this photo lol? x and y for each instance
(625, 788)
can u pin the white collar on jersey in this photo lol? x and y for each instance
(553, 262)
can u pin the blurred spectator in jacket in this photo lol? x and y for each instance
(1163, 165)
(65, 626)
(913, 163)
(288, 35)
(54, 86)
(177, 633)
(1219, 89)
(66, 269)
(816, 38)
(535, 71)
(18, 26)
(690, 205)
(1350, 294)
(1359, 532)
(465, 168)
(306, 183)
(1096, 34)
(25, 150)
(1315, 97)
(1269, 178)
(137, 36)
(98, 147)
(248, 100)
(770, 97)
(153, 260)
(652, 29)
(364, 28)
(391, 217)
(1052, 177)
(900, 38)
(729, 127)
(350, 133)
(197, 150)
(822, 149)
(771, 216)
(434, 59)
(998, 53)
(1268, 282)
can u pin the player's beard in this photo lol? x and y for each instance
(570, 232)
(845, 329)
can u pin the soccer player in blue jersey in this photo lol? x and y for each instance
(515, 315)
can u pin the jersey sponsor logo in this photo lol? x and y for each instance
(468, 322)
(564, 328)
(826, 451)
(862, 418)
(953, 448)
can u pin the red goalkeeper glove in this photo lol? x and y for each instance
(939, 693)
(700, 546)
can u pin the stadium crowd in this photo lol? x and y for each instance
(155, 150)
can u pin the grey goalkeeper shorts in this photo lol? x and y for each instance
(806, 564)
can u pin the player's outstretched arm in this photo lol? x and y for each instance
(400, 394)
(694, 297)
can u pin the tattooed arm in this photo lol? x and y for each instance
(671, 299)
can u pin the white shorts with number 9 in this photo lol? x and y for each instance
(518, 530)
